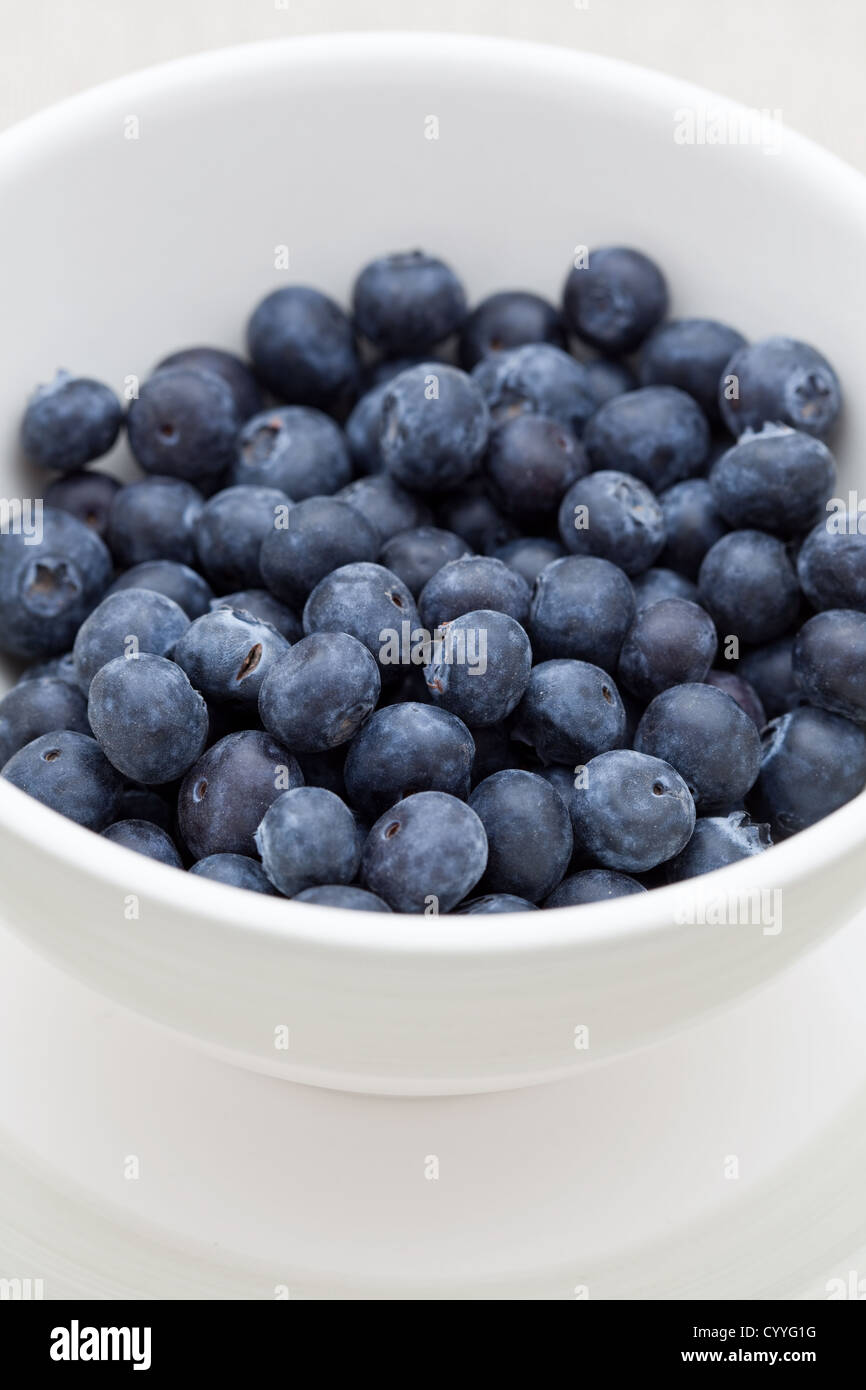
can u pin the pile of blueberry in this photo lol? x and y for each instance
(573, 618)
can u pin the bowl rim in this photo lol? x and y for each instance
(610, 924)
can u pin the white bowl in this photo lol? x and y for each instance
(116, 250)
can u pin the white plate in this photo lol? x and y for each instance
(614, 1181)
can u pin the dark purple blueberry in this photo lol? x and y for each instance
(87, 496)
(657, 434)
(425, 854)
(506, 320)
(233, 370)
(528, 831)
(614, 300)
(407, 302)
(582, 607)
(226, 793)
(184, 424)
(716, 842)
(690, 354)
(779, 381)
(144, 838)
(593, 886)
(69, 773)
(303, 348)
(70, 422)
(570, 712)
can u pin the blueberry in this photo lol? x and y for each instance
(237, 870)
(614, 301)
(155, 520)
(571, 711)
(145, 838)
(671, 642)
(230, 531)
(407, 302)
(631, 812)
(319, 535)
(233, 370)
(656, 584)
(363, 429)
(320, 693)
(227, 653)
(38, 707)
(149, 721)
(405, 749)
(831, 565)
(609, 378)
(829, 662)
(307, 837)
(537, 379)
(531, 462)
(70, 422)
(388, 507)
(266, 608)
(528, 831)
(299, 451)
(493, 903)
(184, 424)
(433, 427)
(419, 553)
(370, 603)
(169, 577)
(506, 320)
(615, 516)
(582, 607)
(593, 886)
(718, 841)
(68, 772)
(657, 434)
(529, 555)
(473, 582)
(779, 381)
(87, 496)
(778, 480)
(303, 348)
(63, 667)
(740, 690)
(226, 793)
(47, 589)
(748, 586)
(124, 624)
(425, 853)
(690, 354)
(480, 668)
(470, 514)
(812, 763)
(692, 524)
(342, 895)
(769, 669)
(708, 738)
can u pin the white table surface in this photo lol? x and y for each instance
(795, 56)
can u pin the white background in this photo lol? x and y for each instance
(801, 57)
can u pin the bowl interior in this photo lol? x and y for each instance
(150, 214)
